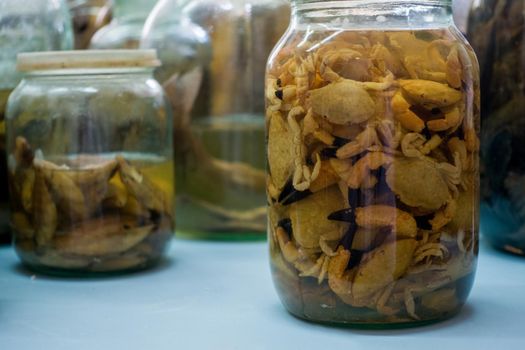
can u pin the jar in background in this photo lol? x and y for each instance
(372, 124)
(497, 33)
(214, 54)
(25, 25)
(124, 30)
(461, 11)
(88, 17)
(90, 158)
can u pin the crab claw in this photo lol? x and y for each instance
(430, 94)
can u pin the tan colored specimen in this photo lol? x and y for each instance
(404, 115)
(280, 150)
(68, 195)
(142, 188)
(430, 94)
(308, 265)
(418, 182)
(343, 102)
(44, 211)
(360, 171)
(360, 286)
(102, 236)
(309, 218)
(402, 223)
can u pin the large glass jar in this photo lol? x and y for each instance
(372, 124)
(214, 54)
(90, 157)
(125, 29)
(88, 17)
(25, 25)
(497, 33)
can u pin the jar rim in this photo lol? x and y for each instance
(86, 59)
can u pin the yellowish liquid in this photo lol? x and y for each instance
(162, 175)
(99, 213)
(221, 179)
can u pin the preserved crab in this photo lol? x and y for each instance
(372, 154)
(88, 213)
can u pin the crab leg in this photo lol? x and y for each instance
(301, 261)
(408, 119)
(363, 141)
(361, 170)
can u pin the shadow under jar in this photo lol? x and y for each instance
(372, 137)
(89, 144)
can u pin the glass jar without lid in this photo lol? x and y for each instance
(25, 26)
(213, 55)
(372, 126)
(90, 162)
(124, 30)
(88, 17)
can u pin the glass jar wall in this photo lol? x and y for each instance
(461, 10)
(25, 25)
(372, 125)
(214, 55)
(126, 27)
(496, 31)
(88, 17)
(90, 162)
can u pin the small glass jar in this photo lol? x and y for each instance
(124, 31)
(497, 33)
(25, 25)
(89, 142)
(88, 17)
(214, 54)
(372, 125)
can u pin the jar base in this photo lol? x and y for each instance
(305, 299)
(53, 263)
(79, 273)
(378, 325)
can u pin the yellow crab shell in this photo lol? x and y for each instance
(343, 102)
(309, 218)
(418, 183)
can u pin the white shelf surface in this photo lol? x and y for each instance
(210, 295)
